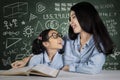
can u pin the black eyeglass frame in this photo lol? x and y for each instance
(55, 35)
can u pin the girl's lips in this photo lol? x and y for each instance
(60, 43)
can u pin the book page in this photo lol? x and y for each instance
(46, 70)
(17, 71)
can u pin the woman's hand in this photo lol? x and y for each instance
(65, 68)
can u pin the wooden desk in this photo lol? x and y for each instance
(104, 75)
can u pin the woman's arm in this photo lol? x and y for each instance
(92, 66)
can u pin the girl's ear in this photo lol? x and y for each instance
(45, 44)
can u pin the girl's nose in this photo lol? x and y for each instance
(60, 39)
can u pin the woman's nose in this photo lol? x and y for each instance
(70, 22)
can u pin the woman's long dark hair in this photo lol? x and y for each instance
(91, 22)
(37, 46)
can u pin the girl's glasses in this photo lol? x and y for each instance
(55, 35)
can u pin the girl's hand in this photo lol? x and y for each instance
(18, 64)
(21, 63)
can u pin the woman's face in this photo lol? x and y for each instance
(74, 23)
(55, 41)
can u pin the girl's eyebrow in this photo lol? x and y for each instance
(54, 33)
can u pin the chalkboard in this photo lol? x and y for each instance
(22, 20)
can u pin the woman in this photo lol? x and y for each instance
(88, 42)
(46, 50)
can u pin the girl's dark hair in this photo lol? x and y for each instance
(91, 22)
(37, 46)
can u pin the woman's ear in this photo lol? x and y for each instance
(45, 44)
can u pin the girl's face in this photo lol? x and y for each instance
(55, 41)
(74, 23)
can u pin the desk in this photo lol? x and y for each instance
(104, 75)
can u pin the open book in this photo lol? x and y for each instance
(40, 69)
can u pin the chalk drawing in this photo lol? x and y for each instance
(19, 56)
(23, 22)
(56, 16)
(16, 9)
(116, 53)
(105, 6)
(28, 31)
(111, 65)
(32, 17)
(10, 24)
(14, 21)
(40, 8)
(11, 33)
(53, 24)
(64, 27)
(11, 52)
(6, 24)
(7, 53)
(6, 61)
(38, 28)
(63, 6)
(27, 47)
(13, 40)
(57, 6)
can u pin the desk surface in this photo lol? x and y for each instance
(104, 75)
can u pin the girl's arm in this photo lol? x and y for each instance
(21, 63)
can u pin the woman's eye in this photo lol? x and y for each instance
(74, 17)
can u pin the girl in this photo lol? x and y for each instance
(46, 50)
